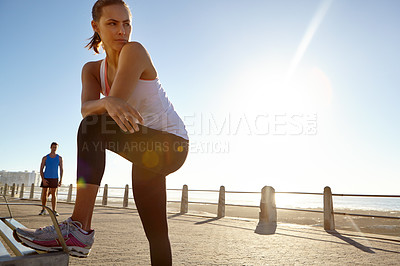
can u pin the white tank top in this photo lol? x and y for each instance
(151, 101)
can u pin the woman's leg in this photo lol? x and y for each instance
(90, 169)
(150, 197)
(157, 153)
(84, 204)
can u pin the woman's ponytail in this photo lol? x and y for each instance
(95, 42)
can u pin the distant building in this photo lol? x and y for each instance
(20, 177)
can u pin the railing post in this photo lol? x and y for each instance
(32, 191)
(1, 190)
(13, 190)
(21, 192)
(5, 189)
(105, 195)
(329, 221)
(268, 216)
(185, 199)
(126, 195)
(69, 197)
(221, 203)
(16, 190)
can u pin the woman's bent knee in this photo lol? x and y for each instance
(89, 123)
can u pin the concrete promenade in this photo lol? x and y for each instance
(195, 240)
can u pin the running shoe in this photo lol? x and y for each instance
(43, 212)
(56, 213)
(79, 242)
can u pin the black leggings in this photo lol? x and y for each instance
(154, 154)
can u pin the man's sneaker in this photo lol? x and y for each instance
(56, 213)
(43, 212)
(78, 241)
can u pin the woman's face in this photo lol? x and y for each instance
(114, 27)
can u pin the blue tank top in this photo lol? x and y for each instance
(51, 170)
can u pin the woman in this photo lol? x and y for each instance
(135, 120)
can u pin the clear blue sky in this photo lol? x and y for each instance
(224, 65)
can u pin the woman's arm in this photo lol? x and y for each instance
(134, 61)
(115, 105)
(90, 98)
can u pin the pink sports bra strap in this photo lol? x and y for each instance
(105, 78)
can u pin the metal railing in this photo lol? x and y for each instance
(268, 209)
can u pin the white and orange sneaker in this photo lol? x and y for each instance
(79, 242)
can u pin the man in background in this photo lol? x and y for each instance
(50, 164)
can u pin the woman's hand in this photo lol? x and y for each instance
(123, 113)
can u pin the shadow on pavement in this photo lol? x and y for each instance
(208, 220)
(350, 241)
(175, 215)
(310, 234)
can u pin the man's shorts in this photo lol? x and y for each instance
(52, 183)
